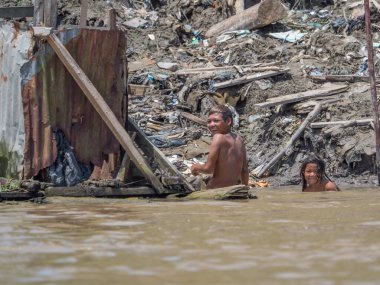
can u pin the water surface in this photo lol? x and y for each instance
(284, 237)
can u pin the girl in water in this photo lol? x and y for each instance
(314, 177)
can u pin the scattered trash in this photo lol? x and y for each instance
(290, 36)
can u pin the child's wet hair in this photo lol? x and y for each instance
(321, 167)
(221, 109)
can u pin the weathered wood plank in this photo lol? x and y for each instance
(249, 78)
(154, 153)
(16, 12)
(326, 90)
(256, 67)
(359, 122)
(104, 111)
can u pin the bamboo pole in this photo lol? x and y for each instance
(372, 80)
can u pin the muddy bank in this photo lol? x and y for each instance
(167, 37)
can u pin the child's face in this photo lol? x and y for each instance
(217, 125)
(311, 174)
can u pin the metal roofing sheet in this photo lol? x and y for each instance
(37, 95)
(15, 49)
(52, 99)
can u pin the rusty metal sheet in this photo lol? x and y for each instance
(52, 99)
(15, 48)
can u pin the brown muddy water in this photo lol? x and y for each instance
(284, 237)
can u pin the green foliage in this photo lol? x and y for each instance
(10, 185)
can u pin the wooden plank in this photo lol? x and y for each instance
(252, 67)
(326, 90)
(154, 153)
(193, 118)
(50, 13)
(83, 13)
(104, 111)
(249, 78)
(110, 192)
(17, 12)
(38, 18)
(359, 122)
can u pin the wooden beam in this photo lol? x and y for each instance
(16, 12)
(104, 111)
(154, 153)
(249, 78)
(83, 13)
(193, 118)
(358, 122)
(326, 90)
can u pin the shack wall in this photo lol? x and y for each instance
(50, 98)
(16, 45)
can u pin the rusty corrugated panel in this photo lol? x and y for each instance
(15, 48)
(52, 99)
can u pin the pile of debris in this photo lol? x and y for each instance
(296, 80)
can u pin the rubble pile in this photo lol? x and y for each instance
(271, 77)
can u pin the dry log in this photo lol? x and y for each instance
(249, 78)
(326, 90)
(257, 16)
(259, 171)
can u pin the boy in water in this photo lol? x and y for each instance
(314, 177)
(227, 159)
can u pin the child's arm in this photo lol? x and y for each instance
(209, 166)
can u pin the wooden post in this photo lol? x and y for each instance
(45, 13)
(38, 18)
(111, 19)
(372, 80)
(50, 13)
(83, 13)
(104, 111)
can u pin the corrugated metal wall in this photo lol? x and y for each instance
(15, 50)
(51, 98)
